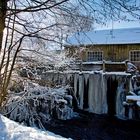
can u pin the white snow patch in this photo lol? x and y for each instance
(133, 98)
(95, 62)
(117, 73)
(10, 130)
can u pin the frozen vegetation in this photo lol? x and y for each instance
(37, 105)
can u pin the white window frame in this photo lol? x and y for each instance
(133, 59)
(95, 56)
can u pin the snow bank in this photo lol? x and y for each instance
(10, 130)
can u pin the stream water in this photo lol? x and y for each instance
(96, 127)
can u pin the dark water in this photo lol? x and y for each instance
(96, 127)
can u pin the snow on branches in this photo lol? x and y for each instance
(37, 105)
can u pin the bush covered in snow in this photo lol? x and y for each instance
(36, 105)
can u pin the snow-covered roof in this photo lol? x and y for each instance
(113, 36)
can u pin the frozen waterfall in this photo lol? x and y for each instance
(98, 92)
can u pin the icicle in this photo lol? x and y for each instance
(64, 80)
(81, 90)
(104, 94)
(113, 77)
(95, 94)
(55, 78)
(130, 85)
(86, 88)
(98, 94)
(69, 76)
(130, 113)
(76, 78)
(86, 76)
(120, 98)
(90, 93)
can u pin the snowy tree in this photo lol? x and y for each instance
(37, 105)
(26, 24)
(47, 22)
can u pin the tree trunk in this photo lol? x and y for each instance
(3, 8)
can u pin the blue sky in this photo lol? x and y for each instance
(117, 25)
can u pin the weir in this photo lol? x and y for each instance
(97, 92)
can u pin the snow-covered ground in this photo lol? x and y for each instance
(10, 130)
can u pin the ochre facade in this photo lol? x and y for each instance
(113, 53)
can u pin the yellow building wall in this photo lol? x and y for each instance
(116, 53)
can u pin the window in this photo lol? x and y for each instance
(135, 55)
(95, 56)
